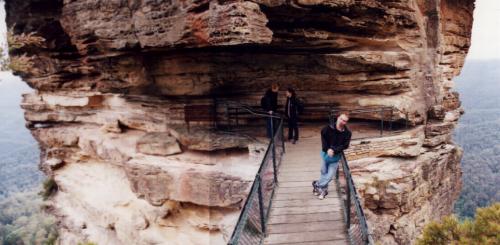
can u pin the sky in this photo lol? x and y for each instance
(485, 43)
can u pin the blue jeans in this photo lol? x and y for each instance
(328, 168)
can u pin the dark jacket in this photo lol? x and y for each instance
(292, 107)
(270, 102)
(331, 138)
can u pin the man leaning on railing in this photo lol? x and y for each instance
(334, 140)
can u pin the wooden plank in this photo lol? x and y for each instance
(306, 209)
(332, 226)
(298, 178)
(301, 218)
(295, 184)
(305, 202)
(294, 189)
(303, 196)
(315, 173)
(301, 189)
(302, 183)
(310, 163)
(310, 236)
(300, 169)
(336, 242)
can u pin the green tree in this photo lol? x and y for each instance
(483, 229)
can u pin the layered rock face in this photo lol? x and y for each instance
(125, 91)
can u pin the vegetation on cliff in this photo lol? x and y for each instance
(484, 229)
(23, 222)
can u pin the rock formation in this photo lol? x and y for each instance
(126, 93)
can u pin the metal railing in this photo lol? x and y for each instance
(357, 226)
(251, 226)
(236, 112)
(386, 114)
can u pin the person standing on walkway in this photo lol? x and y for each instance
(292, 110)
(269, 103)
(334, 140)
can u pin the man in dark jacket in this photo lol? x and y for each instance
(334, 140)
(292, 108)
(269, 104)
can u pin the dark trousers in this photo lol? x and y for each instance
(293, 129)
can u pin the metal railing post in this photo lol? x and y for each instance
(261, 204)
(273, 150)
(272, 127)
(275, 172)
(348, 193)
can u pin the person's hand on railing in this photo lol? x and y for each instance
(270, 112)
(330, 152)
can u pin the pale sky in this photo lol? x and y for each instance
(485, 32)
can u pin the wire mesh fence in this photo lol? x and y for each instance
(251, 226)
(355, 218)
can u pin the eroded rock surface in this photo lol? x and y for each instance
(125, 92)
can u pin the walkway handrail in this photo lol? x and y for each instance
(234, 108)
(375, 109)
(249, 109)
(251, 226)
(354, 215)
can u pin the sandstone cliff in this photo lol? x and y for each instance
(117, 81)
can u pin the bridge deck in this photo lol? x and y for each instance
(297, 216)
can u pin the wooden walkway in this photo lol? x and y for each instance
(297, 216)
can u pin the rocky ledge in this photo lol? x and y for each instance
(124, 94)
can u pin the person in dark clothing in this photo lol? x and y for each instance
(334, 140)
(269, 103)
(292, 113)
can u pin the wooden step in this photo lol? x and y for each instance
(332, 225)
(305, 202)
(303, 196)
(301, 189)
(304, 218)
(335, 242)
(310, 236)
(306, 209)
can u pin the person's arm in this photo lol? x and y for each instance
(324, 141)
(345, 143)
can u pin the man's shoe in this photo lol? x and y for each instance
(323, 194)
(294, 141)
(315, 188)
